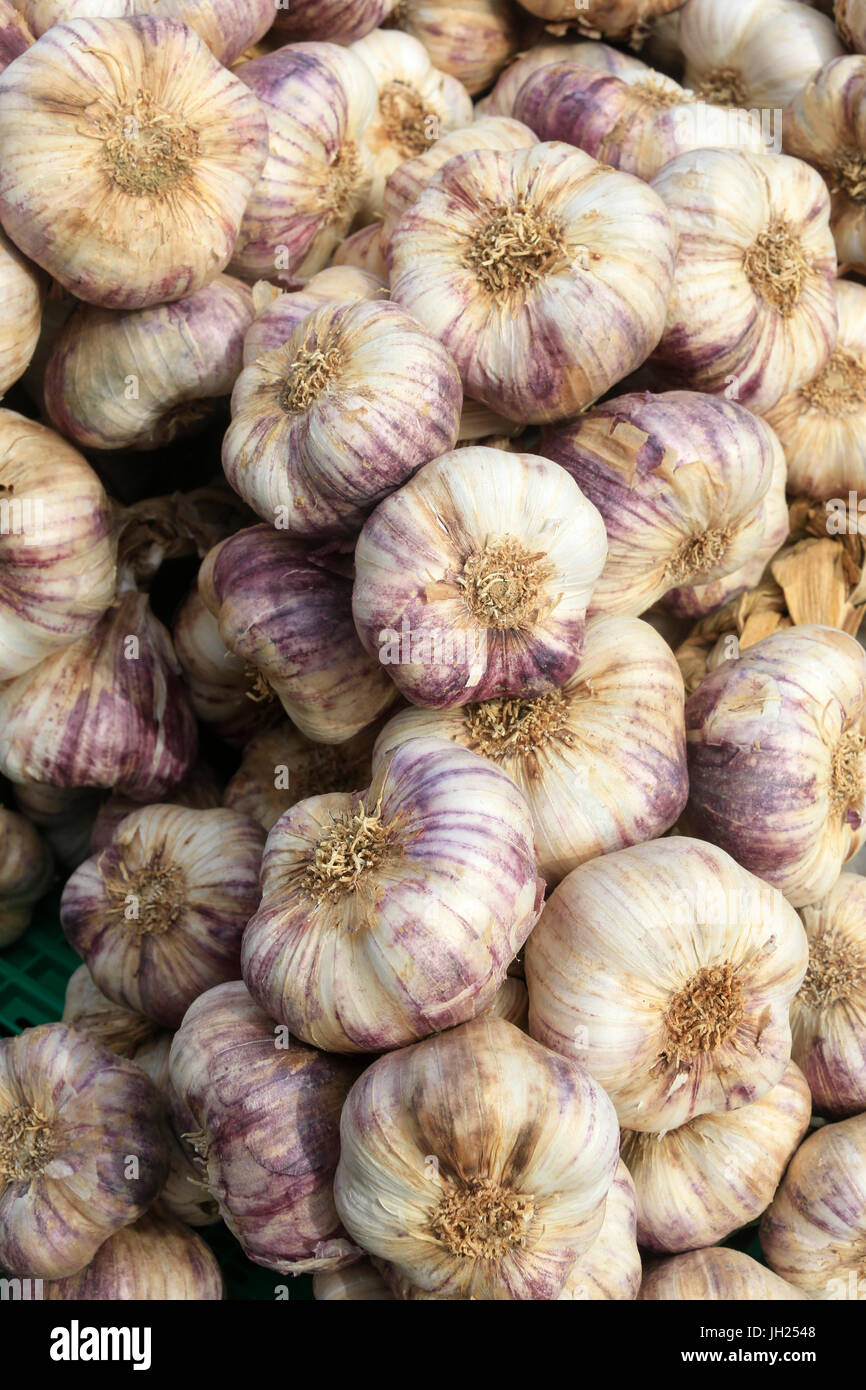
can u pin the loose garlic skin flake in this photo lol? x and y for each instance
(477, 1164)
(472, 581)
(76, 195)
(667, 971)
(503, 253)
(777, 758)
(716, 1275)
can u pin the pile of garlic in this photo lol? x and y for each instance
(431, 572)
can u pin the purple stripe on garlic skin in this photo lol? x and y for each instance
(227, 28)
(267, 1113)
(278, 315)
(777, 758)
(420, 938)
(15, 36)
(156, 1258)
(364, 251)
(341, 21)
(599, 56)
(224, 690)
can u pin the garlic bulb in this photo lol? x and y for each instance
(109, 711)
(667, 971)
(753, 52)
(58, 554)
(63, 816)
(278, 315)
(814, 1234)
(752, 314)
(281, 767)
(716, 1275)
(112, 1025)
(158, 915)
(161, 147)
(611, 1267)
(15, 36)
(81, 1149)
(828, 1016)
(824, 125)
(511, 1002)
(364, 251)
(26, 870)
(348, 408)
(226, 692)
(682, 481)
(777, 758)
(634, 121)
(616, 19)
(175, 526)
(472, 581)
(503, 251)
(599, 56)
(476, 1163)
(341, 21)
(601, 760)
(434, 861)
(226, 28)
(290, 621)
(199, 790)
(141, 379)
(21, 287)
(822, 425)
(319, 99)
(472, 39)
(415, 104)
(850, 18)
(359, 1281)
(252, 1091)
(155, 1259)
(698, 1183)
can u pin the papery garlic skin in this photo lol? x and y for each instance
(112, 1025)
(435, 1136)
(277, 315)
(415, 104)
(281, 767)
(199, 790)
(319, 100)
(752, 313)
(348, 408)
(698, 1183)
(472, 581)
(615, 19)
(115, 228)
(828, 1015)
(360, 1281)
(611, 1267)
(250, 1093)
(814, 1234)
(144, 378)
(26, 870)
(364, 251)
(599, 56)
(472, 39)
(57, 553)
(71, 1114)
(601, 760)
(604, 252)
(158, 915)
(753, 52)
(290, 620)
(224, 690)
(21, 287)
(511, 1002)
(226, 28)
(850, 16)
(716, 1275)
(15, 36)
(340, 21)
(395, 912)
(667, 971)
(777, 758)
(156, 1259)
(63, 816)
(109, 711)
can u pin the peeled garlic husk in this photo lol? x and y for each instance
(601, 251)
(824, 125)
(57, 551)
(611, 1267)
(290, 620)
(752, 313)
(226, 692)
(226, 28)
(139, 380)
(278, 315)
(109, 711)
(251, 1091)
(359, 1281)
(82, 1151)
(415, 104)
(26, 870)
(472, 581)
(753, 53)
(850, 16)
(116, 226)
(828, 1015)
(476, 1163)
(341, 21)
(615, 19)
(601, 760)
(814, 1234)
(158, 916)
(698, 1183)
(667, 971)
(410, 178)
(600, 56)
(394, 912)
(634, 121)
(15, 36)
(777, 758)
(281, 767)
(822, 425)
(348, 408)
(470, 39)
(363, 250)
(716, 1275)
(319, 99)
(63, 816)
(157, 1258)
(480, 425)
(21, 287)
(198, 790)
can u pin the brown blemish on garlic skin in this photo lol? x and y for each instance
(848, 174)
(153, 896)
(480, 1219)
(840, 388)
(146, 151)
(514, 247)
(702, 1015)
(502, 583)
(836, 968)
(308, 378)
(405, 118)
(776, 267)
(355, 845)
(698, 555)
(26, 1144)
(723, 87)
(848, 783)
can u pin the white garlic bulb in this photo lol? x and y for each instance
(599, 56)
(225, 691)
(360, 1281)
(716, 1275)
(470, 39)
(21, 287)
(157, 1258)
(226, 28)
(364, 251)
(611, 1267)
(281, 767)
(277, 314)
